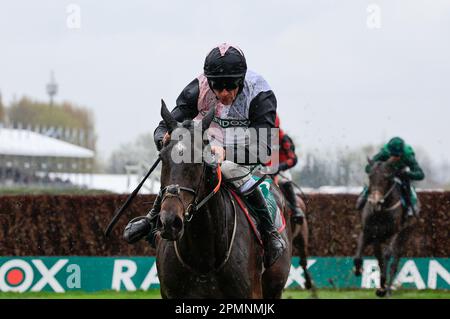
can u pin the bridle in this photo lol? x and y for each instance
(174, 190)
(397, 181)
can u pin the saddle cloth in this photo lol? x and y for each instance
(274, 211)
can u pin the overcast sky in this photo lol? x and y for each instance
(345, 73)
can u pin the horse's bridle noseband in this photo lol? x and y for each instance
(174, 190)
(397, 181)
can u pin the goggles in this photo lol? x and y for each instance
(228, 84)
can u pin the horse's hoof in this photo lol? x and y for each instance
(381, 292)
(308, 284)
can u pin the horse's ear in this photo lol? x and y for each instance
(171, 123)
(370, 161)
(206, 121)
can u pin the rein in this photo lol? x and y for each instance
(388, 193)
(174, 190)
(227, 255)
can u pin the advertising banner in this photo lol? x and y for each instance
(61, 274)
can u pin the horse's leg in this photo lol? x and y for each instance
(381, 292)
(357, 260)
(275, 277)
(387, 254)
(397, 251)
(302, 247)
(304, 232)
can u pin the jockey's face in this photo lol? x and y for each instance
(225, 89)
(226, 97)
(395, 158)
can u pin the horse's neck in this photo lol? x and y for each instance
(205, 236)
(395, 195)
(206, 221)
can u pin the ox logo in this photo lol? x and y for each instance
(296, 274)
(18, 275)
(231, 123)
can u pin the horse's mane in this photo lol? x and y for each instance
(189, 125)
(383, 166)
(379, 164)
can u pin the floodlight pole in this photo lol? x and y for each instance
(52, 87)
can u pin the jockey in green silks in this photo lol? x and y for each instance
(402, 157)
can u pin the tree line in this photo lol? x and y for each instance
(342, 166)
(346, 166)
(58, 120)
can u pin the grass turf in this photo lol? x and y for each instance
(288, 294)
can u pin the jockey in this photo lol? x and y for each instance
(287, 160)
(242, 99)
(403, 159)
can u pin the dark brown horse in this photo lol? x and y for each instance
(206, 248)
(300, 235)
(384, 224)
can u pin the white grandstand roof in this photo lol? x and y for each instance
(27, 143)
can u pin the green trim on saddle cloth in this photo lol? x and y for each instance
(270, 199)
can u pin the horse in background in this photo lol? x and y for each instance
(385, 224)
(300, 232)
(300, 240)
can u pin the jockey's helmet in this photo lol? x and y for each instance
(224, 62)
(396, 146)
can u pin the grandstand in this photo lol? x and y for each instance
(28, 158)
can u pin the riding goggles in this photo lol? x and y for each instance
(228, 84)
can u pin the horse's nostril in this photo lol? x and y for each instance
(177, 223)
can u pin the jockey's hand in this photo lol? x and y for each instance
(160, 143)
(219, 152)
(404, 173)
(166, 138)
(393, 159)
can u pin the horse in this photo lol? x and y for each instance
(300, 232)
(205, 246)
(384, 224)
(300, 235)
